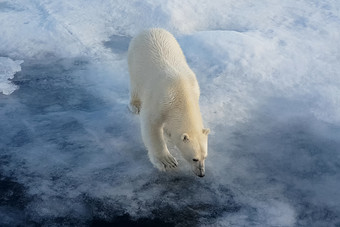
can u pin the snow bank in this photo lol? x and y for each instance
(240, 69)
(8, 68)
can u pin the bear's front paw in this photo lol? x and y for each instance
(165, 162)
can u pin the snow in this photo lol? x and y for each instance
(8, 68)
(72, 154)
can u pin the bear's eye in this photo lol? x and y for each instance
(195, 160)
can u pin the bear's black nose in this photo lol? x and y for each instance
(201, 175)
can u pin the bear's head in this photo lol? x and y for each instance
(194, 148)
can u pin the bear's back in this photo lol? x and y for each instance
(156, 51)
(158, 69)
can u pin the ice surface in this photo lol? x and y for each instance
(71, 153)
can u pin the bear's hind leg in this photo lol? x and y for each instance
(135, 103)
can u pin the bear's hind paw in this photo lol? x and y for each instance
(133, 109)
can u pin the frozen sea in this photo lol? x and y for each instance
(71, 153)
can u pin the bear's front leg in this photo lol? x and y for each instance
(152, 134)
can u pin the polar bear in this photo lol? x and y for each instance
(165, 93)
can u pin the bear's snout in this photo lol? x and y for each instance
(201, 175)
(200, 172)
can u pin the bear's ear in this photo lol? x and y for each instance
(185, 137)
(205, 131)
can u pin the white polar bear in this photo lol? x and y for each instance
(165, 92)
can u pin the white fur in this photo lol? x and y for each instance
(165, 92)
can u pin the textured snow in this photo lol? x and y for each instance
(72, 154)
